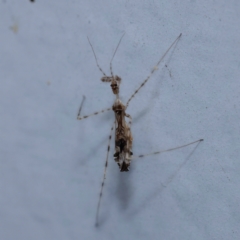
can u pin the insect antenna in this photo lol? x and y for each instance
(96, 58)
(154, 69)
(115, 53)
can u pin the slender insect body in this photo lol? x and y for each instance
(123, 137)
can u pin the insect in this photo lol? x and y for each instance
(123, 137)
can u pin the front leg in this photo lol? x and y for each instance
(92, 114)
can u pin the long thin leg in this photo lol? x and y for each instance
(92, 114)
(168, 150)
(104, 175)
(130, 121)
(79, 111)
(154, 69)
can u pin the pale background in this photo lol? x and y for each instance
(51, 165)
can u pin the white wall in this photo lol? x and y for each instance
(51, 165)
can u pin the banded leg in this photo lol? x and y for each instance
(79, 111)
(130, 121)
(154, 69)
(167, 150)
(104, 175)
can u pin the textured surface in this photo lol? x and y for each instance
(51, 165)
